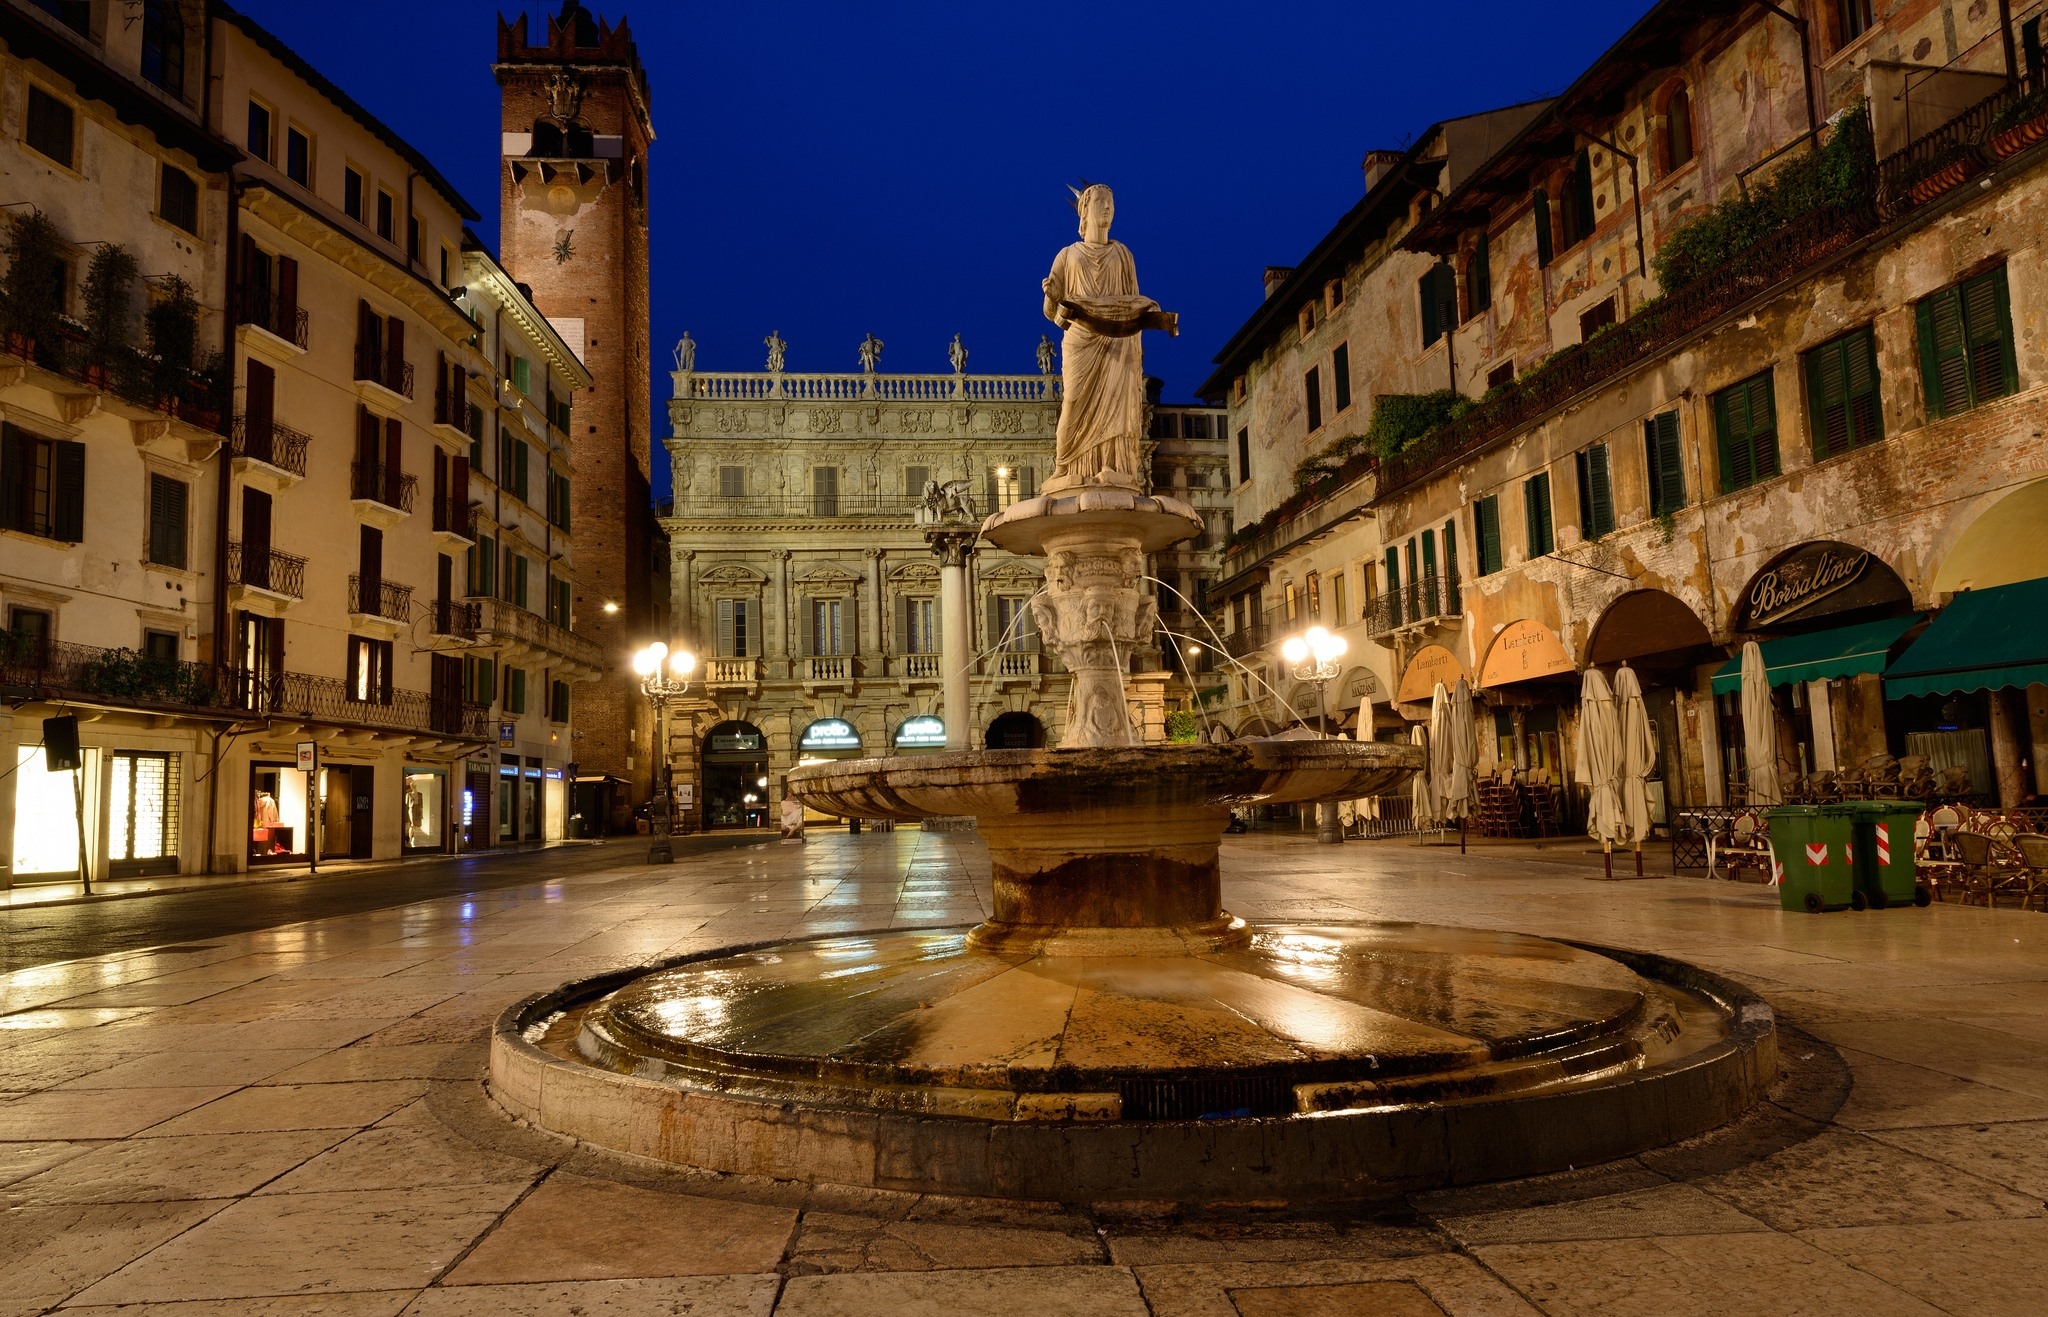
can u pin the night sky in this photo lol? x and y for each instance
(827, 170)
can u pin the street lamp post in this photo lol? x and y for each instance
(664, 674)
(1314, 656)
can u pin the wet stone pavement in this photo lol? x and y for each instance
(289, 1121)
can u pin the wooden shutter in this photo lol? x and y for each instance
(288, 298)
(1662, 458)
(167, 505)
(1745, 419)
(273, 648)
(369, 340)
(1596, 492)
(1393, 571)
(368, 438)
(519, 579)
(732, 481)
(1541, 214)
(259, 410)
(441, 518)
(1479, 277)
(1987, 317)
(1827, 390)
(1452, 603)
(370, 567)
(1944, 354)
(1486, 523)
(486, 568)
(14, 483)
(807, 616)
(914, 478)
(726, 628)
(903, 624)
(394, 353)
(520, 467)
(1029, 483)
(67, 494)
(1536, 515)
(849, 624)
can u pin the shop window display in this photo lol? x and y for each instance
(45, 819)
(142, 814)
(425, 810)
(277, 814)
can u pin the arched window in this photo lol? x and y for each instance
(1678, 148)
(547, 140)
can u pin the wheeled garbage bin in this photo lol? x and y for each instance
(1886, 874)
(1811, 849)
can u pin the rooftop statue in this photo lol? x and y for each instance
(957, 354)
(777, 350)
(870, 353)
(1092, 295)
(686, 352)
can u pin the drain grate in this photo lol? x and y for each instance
(1206, 1099)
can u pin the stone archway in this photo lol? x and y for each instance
(1014, 731)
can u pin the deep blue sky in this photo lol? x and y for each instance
(831, 169)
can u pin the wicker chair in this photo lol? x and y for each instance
(2033, 849)
(1991, 869)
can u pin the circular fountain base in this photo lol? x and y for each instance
(1310, 1061)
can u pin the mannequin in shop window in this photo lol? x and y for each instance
(264, 819)
(415, 813)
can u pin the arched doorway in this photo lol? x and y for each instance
(1665, 642)
(735, 776)
(1015, 731)
(2002, 545)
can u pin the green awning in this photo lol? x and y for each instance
(1819, 655)
(1983, 640)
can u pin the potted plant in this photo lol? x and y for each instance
(109, 304)
(1939, 170)
(173, 324)
(2020, 124)
(34, 286)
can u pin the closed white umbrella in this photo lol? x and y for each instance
(1759, 729)
(1462, 796)
(1638, 756)
(1440, 751)
(1597, 763)
(1424, 784)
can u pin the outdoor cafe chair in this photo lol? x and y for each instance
(2033, 849)
(1990, 869)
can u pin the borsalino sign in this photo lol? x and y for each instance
(1802, 579)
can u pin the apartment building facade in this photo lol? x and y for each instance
(113, 390)
(1188, 461)
(1744, 324)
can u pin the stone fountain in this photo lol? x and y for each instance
(1111, 1031)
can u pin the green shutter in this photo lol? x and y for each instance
(1541, 213)
(1596, 492)
(1452, 603)
(1536, 515)
(1841, 386)
(1987, 314)
(167, 503)
(1944, 354)
(1486, 525)
(1664, 457)
(1393, 570)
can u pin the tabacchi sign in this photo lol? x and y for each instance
(1802, 580)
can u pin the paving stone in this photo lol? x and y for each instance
(834, 1242)
(387, 1303)
(423, 1061)
(572, 1228)
(693, 1296)
(2011, 1153)
(1382, 1298)
(298, 1107)
(111, 1113)
(228, 1067)
(51, 1252)
(312, 1243)
(1844, 1179)
(1984, 1268)
(1039, 1291)
(1672, 1209)
(155, 1170)
(1452, 1283)
(402, 1157)
(1748, 1275)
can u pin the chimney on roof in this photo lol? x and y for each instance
(1275, 276)
(1378, 164)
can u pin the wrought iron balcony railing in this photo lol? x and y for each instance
(386, 599)
(380, 482)
(455, 516)
(271, 442)
(327, 700)
(456, 618)
(272, 314)
(126, 677)
(266, 569)
(1422, 600)
(377, 367)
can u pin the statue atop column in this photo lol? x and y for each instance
(1092, 295)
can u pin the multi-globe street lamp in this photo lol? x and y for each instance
(664, 674)
(1315, 656)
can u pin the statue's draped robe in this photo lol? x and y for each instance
(1103, 377)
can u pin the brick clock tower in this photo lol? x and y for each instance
(573, 228)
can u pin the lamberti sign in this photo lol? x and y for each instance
(1817, 579)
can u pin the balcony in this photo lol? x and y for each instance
(381, 369)
(282, 320)
(1012, 663)
(272, 444)
(327, 700)
(157, 399)
(918, 667)
(383, 495)
(1420, 603)
(387, 600)
(281, 575)
(451, 406)
(456, 619)
(33, 667)
(802, 507)
(827, 667)
(729, 673)
(1249, 640)
(455, 518)
(508, 626)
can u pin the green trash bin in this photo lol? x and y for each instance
(1810, 851)
(1886, 874)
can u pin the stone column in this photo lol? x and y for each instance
(683, 592)
(955, 548)
(1820, 710)
(787, 627)
(2005, 750)
(875, 639)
